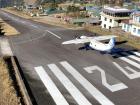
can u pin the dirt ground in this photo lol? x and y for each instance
(43, 19)
(7, 90)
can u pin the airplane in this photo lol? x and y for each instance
(94, 42)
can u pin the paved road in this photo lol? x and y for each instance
(63, 75)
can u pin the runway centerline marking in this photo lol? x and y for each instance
(49, 84)
(53, 34)
(72, 89)
(102, 99)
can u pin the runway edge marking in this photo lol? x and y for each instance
(76, 94)
(102, 99)
(49, 84)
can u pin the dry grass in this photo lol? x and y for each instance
(17, 12)
(8, 29)
(7, 91)
(42, 19)
(54, 21)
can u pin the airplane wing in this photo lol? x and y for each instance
(77, 41)
(100, 38)
(88, 39)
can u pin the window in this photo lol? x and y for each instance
(119, 21)
(109, 27)
(139, 31)
(105, 19)
(134, 30)
(139, 20)
(124, 26)
(110, 20)
(104, 25)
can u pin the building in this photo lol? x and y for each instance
(112, 17)
(86, 21)
(132, 25)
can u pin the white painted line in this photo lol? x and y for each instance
(112, 88)
(131, 56)
(49, 84)
(130, 62)
(76, 94)
(137, 53)
(103, 100)
(34, 26)
(5, 47)
(53, 34)
(133, 75)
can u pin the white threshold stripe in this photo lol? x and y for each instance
(131, 56)
(103, 100)
(53, 34)
(137, 53)
(52, 89)
(130, 62)
(76, 94)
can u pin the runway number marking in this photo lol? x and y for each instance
(133, 75)
(112, 88)
(77, 95)
(130, 62)
(102, 99)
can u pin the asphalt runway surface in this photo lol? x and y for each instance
(64, 75)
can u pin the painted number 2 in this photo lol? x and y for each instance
(112, 88)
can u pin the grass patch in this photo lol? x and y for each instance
(7, 89)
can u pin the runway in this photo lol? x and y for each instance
(64, 75)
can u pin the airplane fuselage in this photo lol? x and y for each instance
(100, 46)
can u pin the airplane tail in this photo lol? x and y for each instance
(111, 42)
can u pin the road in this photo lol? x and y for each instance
(63, 75)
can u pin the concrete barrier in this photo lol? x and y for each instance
(24, 92)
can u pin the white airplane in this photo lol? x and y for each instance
(94, 42)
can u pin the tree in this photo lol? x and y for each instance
(75, 11)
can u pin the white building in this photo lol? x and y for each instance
(112, 17)
(133, 25)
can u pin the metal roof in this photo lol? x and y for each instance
(116, 10)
